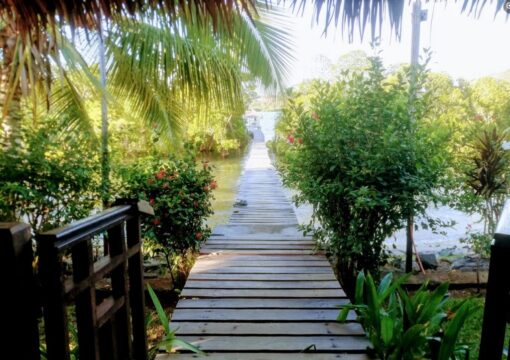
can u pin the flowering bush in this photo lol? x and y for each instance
(364, 165)
(180, 193)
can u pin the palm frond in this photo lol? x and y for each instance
(68, 106)
(357, 15)
(33, 17)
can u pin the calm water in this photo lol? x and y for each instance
(226, 172)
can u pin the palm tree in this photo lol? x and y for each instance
(164, 67)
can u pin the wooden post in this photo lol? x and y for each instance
(135, 276)
(54, 306)
(497, 300)
(20, 333)
(121, 323)
(86, 317)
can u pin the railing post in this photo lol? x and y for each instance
(135, 276)
(54, 307)
(497, 300)
(20, 334)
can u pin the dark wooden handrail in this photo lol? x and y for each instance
(68, 235)
(109, 326)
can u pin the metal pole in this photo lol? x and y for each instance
(417, 17)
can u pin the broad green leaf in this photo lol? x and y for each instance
(452, 331)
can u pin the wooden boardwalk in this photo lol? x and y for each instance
(259, 290)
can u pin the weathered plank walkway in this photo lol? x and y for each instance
(259, 290)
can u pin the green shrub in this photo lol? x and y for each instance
(180, 193)
(48, 178)
(363, 164)
(403, 326)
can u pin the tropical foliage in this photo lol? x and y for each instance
(46, 181)
(403, 326)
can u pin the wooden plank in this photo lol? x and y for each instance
(260, 242)
(266, 328)
(204, 284)
(261, 258)
(265, 356)
(275, 237)
(262, 293)
(253, 246)
(262, 303)
(266, 277)
(256, 252)
(258, 315)
(334, 344)
(225, 262)
(264, 270)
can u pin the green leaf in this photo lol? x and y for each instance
(342, 315)
(386, 328)
(186, 345)
(360, 284)
(159, 310)
(451, 333)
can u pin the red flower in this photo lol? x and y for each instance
(156, 221)
(199, 236)
(214, 184)
(315, 116)
(290, 139)
(161, 174)
(151, 201)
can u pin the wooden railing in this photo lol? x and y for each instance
(497, 301)
(110, 324)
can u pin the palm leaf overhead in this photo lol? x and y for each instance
(166, 68)
(33, 17)
(353, 15)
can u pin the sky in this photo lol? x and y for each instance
(462, 45)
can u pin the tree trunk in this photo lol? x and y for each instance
(11, 110)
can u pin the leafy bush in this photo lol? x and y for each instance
(180, 193)
(48, 178)
(363, 164)
(403, 326)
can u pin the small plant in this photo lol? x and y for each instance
(170, 341)
(401, 326)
